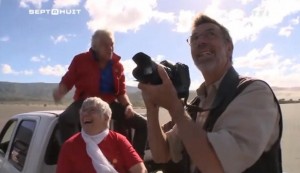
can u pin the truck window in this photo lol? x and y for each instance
(53, 148)
(6, 135)
(21, 143)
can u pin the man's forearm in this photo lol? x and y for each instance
(124, 100)
(157, 138)
(60, 92)
(196, 143)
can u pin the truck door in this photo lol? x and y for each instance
(6, 136)
(16, 156)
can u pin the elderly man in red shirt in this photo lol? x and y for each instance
(96, 148)
(99, 73)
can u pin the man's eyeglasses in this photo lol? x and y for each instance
(207, 35)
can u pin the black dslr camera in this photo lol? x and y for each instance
(146, 72)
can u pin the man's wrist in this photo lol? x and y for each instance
(177, 111)
(127, 104)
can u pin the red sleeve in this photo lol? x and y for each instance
(64, 164)
(70, 77)
(128, 152)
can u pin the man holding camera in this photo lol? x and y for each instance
(238, 125)
(99, 73)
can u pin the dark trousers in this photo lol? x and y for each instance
(69, 124)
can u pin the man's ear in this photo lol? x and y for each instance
(106, 117)
(229, 49)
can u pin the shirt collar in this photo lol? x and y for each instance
(204, 89)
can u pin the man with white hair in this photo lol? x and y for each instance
(99, 73)
(96, 148)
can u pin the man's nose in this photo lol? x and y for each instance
(201, 42)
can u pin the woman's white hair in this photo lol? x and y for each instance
(98, 34)
(101, 105)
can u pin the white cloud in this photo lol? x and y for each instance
(184, 21)
(159, 58)
(129, 65)
(4, 39)
(56, 70)
(65, 3)
(40, 58)
(61, 38)
(162, 16)
(258, 59)
(271, 67)
(247, 26)
(296, 21)
(244, 2)
(119, 15)
(286, 31)
(34, 3)
(7, 69)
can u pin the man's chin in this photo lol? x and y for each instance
(206, 67)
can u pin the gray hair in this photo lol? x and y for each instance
(98, 34)
(202, 18)
(101, 105)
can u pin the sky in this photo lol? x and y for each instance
(39, 38)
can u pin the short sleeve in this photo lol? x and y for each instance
(244, 130)
(128, 152)
(175, 144)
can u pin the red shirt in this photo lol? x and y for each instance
(85, 74)
(73, 157)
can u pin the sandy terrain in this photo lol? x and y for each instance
(290, 140)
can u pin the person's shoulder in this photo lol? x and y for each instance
(74, 139)
(117, 64)
(258, 85)
(70, 144)
(83, 56)
(116, 57)
(116, 136)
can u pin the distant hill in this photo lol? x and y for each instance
(42, 92)
(26, 91)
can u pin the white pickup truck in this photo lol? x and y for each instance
(28, 144)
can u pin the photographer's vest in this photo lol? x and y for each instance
(231, 86)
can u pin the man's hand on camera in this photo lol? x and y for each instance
(163, 95)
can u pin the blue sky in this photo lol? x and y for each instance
(37, 47)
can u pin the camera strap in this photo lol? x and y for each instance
(224, 96)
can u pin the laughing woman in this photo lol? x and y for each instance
(97, 149)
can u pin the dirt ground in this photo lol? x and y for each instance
(290, 140)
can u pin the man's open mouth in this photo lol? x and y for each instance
(87, 121)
